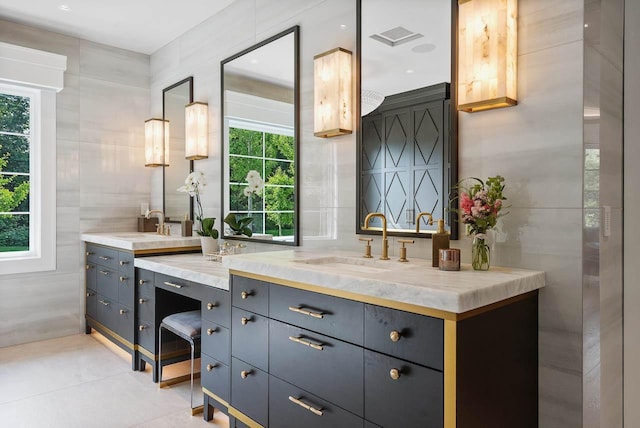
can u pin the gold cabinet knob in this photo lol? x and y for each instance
(141, 301)
(123, 278)
(142, 282)
(210, 331)
(142, 327)
(245, 294)
(123, 311)
(394, 374)
(90, 294)
(89, 253)
(245, 373)
(122, 263)
(211, 367)
(211, 306)
(394, 336)
(244, 320)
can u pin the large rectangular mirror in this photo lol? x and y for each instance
(407, 139)
(260, 134)
(174, 100)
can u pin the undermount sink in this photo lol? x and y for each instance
(351, 264)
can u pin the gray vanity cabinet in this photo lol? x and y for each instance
(110, 294)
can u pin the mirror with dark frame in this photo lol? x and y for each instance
(260, 135)
(174, 100)
(407, 139)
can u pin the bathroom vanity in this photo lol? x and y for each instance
(298, 338)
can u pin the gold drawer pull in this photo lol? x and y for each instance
(299, 310)
(123, 278)
(123, 311)
(245, 373)
(305, 406)
(211, 306)
(394, 374)
(141, 301)
(306, 343)
(104, 272)
(105, 303)
(142, 327)
(142, 282)
(122, 263)
(245, 294)
(211, 367)
(171, 284)
(395, 336)
(245, 320)
(104, 258)
(210, 331)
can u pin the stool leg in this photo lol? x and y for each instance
(159, 368)
(193, 357)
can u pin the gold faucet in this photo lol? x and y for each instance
(385, 242)
(423, 214)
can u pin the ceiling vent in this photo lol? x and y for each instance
(396, 36)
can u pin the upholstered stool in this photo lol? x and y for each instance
(186, 325)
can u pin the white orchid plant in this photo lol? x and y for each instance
(254, 183)
(193, 185)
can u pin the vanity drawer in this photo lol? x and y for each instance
(106, 257)
(91, 278)
(215, 376)
(250, 339)
(216, 306)
(179, 286)
(215, 341)
(146, 308)
(91, 302)
(292, 407)
(414, 399)
(126, 289)
(106, 312)
(328, 315)
(124, 321)
(249, 391)
(412, 337)
(147, 335)
(331, 368)
(107, 282)
(125, 263)
(250, 294)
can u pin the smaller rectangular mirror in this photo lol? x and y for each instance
(260, 127)
(174, 99)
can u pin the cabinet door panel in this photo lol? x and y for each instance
(107, 282)
(91, 302)
(250, 339)
(146, 308)
(126, 289)
(106, 312)
(125, 263)
(414, 398)
(287, 409)
(331, 368)
(91, 277)
(179, 286)
(144, 283)
(124, 321)
(250, 294)
(328, 315)
(216, 341)
(106, 257)
(147, 336)
(412, 337)
(215, 377)
(249, 391)
(216, 306)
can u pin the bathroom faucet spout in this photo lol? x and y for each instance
(385, 242)
(160, 216)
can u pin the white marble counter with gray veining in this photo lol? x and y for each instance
(190, 267)
(414, 283)
(139, 241)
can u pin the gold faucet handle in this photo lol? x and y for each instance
(403, 249)
(367, 249)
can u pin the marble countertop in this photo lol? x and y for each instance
(139, 241)
(190, 267)
(413, 283)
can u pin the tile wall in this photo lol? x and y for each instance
(101, 179)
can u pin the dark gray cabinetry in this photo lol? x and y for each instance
(250, 391)
(110, 294)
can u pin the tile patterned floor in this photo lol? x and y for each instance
(84, 381)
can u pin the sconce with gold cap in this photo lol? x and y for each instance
(156, 152)
(487, 54)
(196, 120)
(333, 100)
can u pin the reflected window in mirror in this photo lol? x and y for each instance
(174, 100)
(260, 119)
(407, 139)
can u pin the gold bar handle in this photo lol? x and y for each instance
(299, 310)
(306, 343)
(105, 303)
(305, 406)
(104, 258)
(171, 284)
(104, 272)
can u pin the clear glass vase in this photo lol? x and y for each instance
(480, 253)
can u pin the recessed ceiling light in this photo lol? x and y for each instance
(343, 27)
(586, 25)
(410, 71)
(65, 8)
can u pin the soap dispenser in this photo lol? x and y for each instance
(439, 240)
(186, 226)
